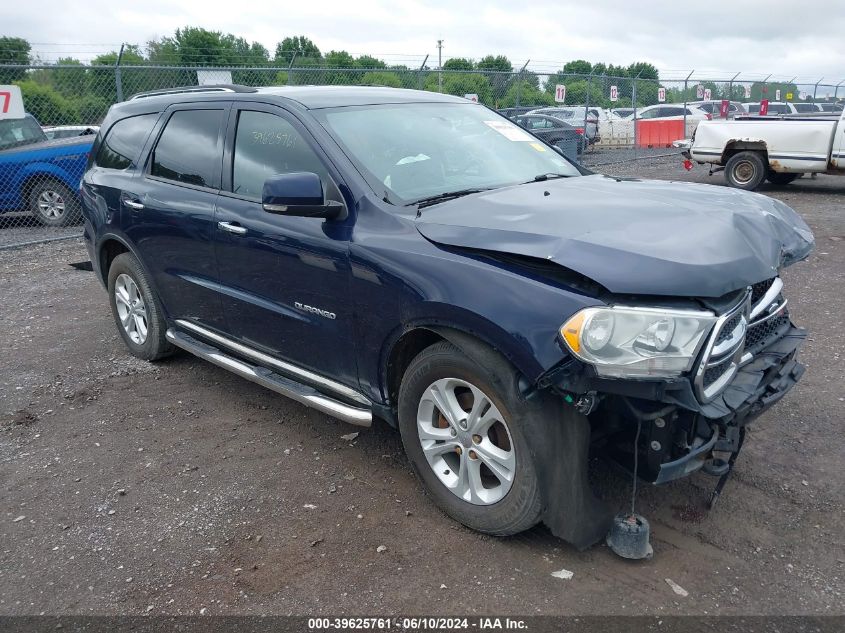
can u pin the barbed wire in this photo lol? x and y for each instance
(151, 56)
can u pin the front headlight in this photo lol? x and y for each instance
(637, 342)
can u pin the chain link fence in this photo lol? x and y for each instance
(43, 155)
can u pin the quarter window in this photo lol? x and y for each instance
(188, 150)
(122, 144)
(267, 145)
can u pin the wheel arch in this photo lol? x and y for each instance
(412, 341)
(109, 247)
(745, 145)
(31, 179)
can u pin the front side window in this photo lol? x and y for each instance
(419, 150)
(188, 150)
(267, 145)
(123, 142)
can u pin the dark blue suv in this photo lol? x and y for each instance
(415, 257)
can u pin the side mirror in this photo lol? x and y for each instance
(299, 194)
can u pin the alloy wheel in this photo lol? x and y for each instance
(466, 441)
(131, 308)
(51, 204)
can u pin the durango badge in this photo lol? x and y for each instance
(318, 311)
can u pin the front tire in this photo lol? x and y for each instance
(53, 203)
(136, 310)
(745, 170)
(461, 432)
(780, 179)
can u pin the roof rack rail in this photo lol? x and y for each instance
(188, 89)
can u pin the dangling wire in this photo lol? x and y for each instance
(636, 464)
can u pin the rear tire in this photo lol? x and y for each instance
(745, 170)
(781, 180)
(481, 427)
(53, 203)
(136, 309)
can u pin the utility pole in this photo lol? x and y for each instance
(439, 65)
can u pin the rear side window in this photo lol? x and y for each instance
(122, 144)
(188, 150)
(14, 132)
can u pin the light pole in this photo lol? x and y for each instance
(439, 65)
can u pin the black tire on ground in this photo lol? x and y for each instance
(779, 179)
(52, 203)
(520, 508)
(155, 344)
(745, 170)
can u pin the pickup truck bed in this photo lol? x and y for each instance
(752, 149)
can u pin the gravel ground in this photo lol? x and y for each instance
(20, 228)
(128, 487)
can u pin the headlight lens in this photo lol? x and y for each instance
(637, 342)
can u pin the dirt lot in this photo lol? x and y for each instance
(175, 488)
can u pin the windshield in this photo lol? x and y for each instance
(15, 132)
(419, 150)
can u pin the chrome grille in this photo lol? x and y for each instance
(761, 333)
(720, 360)
(747, 328)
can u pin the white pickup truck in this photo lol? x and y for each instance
(754, 149)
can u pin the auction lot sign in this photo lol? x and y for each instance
(11, 103)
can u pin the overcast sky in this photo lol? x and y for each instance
(785, 37)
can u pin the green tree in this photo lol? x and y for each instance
(196, 46)
(497, 63)
(458, 63)
(69, 77)
(13, 50)
(92, 110)
(643, 70)
(461, 84)
(47, 105)
(381, 78)
(306, 51)
(578, 89)
(341, 64)
(760, 91)
(368, 62)
(499, 73)
(529, 95)
(101, 78)
(578, 67)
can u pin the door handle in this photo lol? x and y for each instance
(133, 204)
(232, 227)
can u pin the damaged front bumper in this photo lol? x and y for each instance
(681, 433)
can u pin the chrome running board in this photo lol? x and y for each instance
(289, 370)
(303, 394)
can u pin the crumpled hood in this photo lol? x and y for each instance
(648, 237)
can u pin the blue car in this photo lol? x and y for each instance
(39, 175)
(420, 259)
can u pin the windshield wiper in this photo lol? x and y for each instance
(443, 197)
(547, 176)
